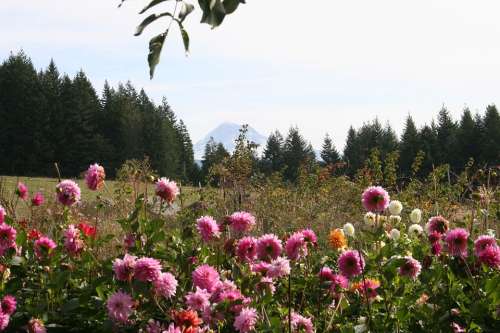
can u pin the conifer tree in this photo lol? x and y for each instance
(329, 153)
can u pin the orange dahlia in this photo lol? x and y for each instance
(337, 239)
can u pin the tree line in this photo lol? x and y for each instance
(48, 117)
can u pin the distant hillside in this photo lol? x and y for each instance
(226, 133)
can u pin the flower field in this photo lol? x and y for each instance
(390, 266)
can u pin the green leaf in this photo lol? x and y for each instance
(185, 36)
(231, 5)
(186, 9)
(213, 12)
(155, 47)
(148, 20)
(151, 4)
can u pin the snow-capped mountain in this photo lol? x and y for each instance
(226, 133)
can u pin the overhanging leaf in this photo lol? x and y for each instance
(155, 47)
(186, 9)
(148, 20)
(184, 35)
(231, 5)
(151, 4)
(212, 15)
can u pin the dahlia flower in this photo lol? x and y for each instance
(124, 268)
(368, 287)
(22, 191)
(337, 239)
(437, 223)
(88, 230)
(206, 277)
(72, 242)
(266, 284)
(147, 269)
(246, 249)
(279, 267)
(120, 306)
(241, 222)
(295, 246)
(2, 215)
(246, 320)
(166, 189)
(395, 207)
(8, 304)
(198, 300)
(375, 199)
(208, 228)
(415, 230)
(4, 321)
(94, 177)
(7, 237)
(165, 285)
(416, 215)
(68, 192)
(395, 235)
(351, 263)
(338, 283)
(36, 326)
(370, 218)
(188, 320)
(410, 268)
(43, 247)
(268, 247)
(37, 199)
(325, 274)
(309, 236)
(301, 323)
(349, 229)
(456, 240)
(482, 242)
(490, 256)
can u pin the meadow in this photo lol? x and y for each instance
(327, 254)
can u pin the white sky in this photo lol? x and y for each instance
(322, 65)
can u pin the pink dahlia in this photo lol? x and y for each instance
(2, 215)
(68, 192)
(309, 236)
(266, 284)
(72, 242)
(124, 268)
(147, 269)
(22, 191)
(368, 287)
(43, 247)
(198, 300)
(120, 306)
(261, 267)
(296, 246)
(37, 199)
(208, 228)
(268, 247)
(490, 256)
(375, 199)
(246, 249)
(351, 263)
(279, 267)
(172, 329)
(482, 242)
(338, 283)
(437, 224)
(325, 274)
(7, 237)
(8, 304)
(246, 320)
(4, 321)
(301, 323)
(166, 189)
(165, 285)
(457, 328)
(456, 240)
(206, 277)
(436, 248)
(241, 222)
(36, 326)
(94, 177)
(410, 268)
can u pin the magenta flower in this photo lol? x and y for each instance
(198, 300)
(72, 242)
(22, 191)
(165, 285)
(166, 189)
(241, 222)
(4, 321)
(490, 256)
(279, 267)
(206, 277)
(68, 192)
(325, 274)
(436, 248)
(208, 228)
(124, 268)
(246, 249)
(147, 269)
(268, 247)
(309, 236)
(368, 287)
(295, 246)
(482, 242)
(266, 284)
(7, 237)
(375, 199)
(261, 267)
(437, 224)
(94, 177)
(37, 199)
(36, 326)
(301, 323)
(44, 247)
(456, 240)
(246, 320)
(351, 263)
(338, 283)
(8, 304)
(120, 306)
(410, 268)
(2, 215)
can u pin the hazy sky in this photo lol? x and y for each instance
(321, 65)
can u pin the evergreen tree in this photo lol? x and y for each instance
(467, 139)
(329, 153)
(351, 152)
(215, 153)
(447, 139)
(297, 153)
(409, 146)
(188, 168)
(272, 159)
(490, 146)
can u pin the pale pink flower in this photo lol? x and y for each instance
(120, 306)
(325, 274)
(437, 224)
(124, 268)
(147, 269)
(490, 256)
(208, 228)
(206, 277)
(295, 246)
(44, 247)
(246, 249)
(482, 242)
(166, 189)
(261, 267)
(410, 268)
(94, 177)
(36, 326)
(375, 199)
(279, 267)
(338, 284)
(301, 324)
(198, 300)
(72, 242)
(268, 247)
(246, 320)
(351, 263)
(266, 284)
(241, 222)
(456, 240)
(4, 320)
(165, 285)
(68, 192)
